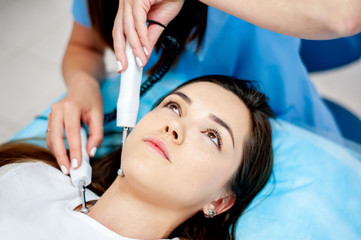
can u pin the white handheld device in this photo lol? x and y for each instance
(81, 177)
(128, 100)
(129, 94)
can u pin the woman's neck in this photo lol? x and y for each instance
(122, 211)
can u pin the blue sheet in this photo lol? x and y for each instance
(314, 192)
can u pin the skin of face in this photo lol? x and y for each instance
(197, 170)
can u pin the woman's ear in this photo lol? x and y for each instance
(221, 205)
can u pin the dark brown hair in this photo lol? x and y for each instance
(189, 24)
(251, 176)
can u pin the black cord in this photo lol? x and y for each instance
(170, 44)
(111, 116)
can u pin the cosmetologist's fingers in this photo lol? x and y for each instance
(95, 127)
(72, 131)
(140, 24)
(119, 39)
(132, 36)
(48, 142)
(56, 138)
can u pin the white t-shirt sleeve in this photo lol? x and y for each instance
(37, 201)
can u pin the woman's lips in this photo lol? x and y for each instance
(158, 145)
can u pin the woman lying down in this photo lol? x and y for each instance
(191, 167)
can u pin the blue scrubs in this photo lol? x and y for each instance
(237, 48)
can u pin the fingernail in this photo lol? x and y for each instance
(120, 67)
(64, 170)
(74, 163)
(93, 151)
(139, 62)
(145, 51)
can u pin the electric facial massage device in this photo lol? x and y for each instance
(128, 100)
(127, 113)
(81, 177)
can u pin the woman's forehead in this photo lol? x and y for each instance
(212, 95)
(199, 87)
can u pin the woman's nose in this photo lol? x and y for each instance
(175, 130)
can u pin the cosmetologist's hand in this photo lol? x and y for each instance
(131, 24)
(83, 103)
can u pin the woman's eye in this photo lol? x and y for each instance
(174, 107)
(213, 136)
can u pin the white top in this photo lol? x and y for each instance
(37, 201)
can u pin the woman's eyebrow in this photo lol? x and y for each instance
(183, 96)
(223, 124)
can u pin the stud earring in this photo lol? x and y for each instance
(120, 172)
(210, 214)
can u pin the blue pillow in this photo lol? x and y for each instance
(314, 193)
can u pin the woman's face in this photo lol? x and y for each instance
(183, 153)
